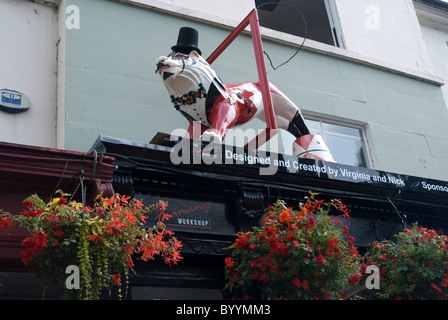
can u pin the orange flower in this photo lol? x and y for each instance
(124, 199)
(163, 205)
(303, 212)
(285, 217)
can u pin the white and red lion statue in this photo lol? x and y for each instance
(198, 93)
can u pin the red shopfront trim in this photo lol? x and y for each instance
(25, 170)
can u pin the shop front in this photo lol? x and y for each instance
(212, 195)
(208, 201)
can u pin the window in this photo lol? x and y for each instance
(346, 143)
(318, 14)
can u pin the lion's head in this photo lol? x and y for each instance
(182, 72)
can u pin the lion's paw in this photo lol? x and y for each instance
(211, 136)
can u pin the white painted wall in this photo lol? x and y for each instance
(382, 33)
(229, 12)
(385, 30)
(434, 24)
(437, 42)
(28, 65)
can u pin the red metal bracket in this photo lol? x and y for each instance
(253, 20)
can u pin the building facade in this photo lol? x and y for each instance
(370, 78)
(381, 73)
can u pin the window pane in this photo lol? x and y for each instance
(345, 144)
(341, 130)
(346, 150)
(314, 126)
(283, 16)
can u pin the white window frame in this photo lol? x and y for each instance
(335, 25)
(366, 137)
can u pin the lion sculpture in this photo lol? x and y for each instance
(199, 94)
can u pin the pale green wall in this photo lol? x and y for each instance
(111, 87)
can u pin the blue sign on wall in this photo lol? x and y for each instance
(13, 101)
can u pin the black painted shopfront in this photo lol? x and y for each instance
(211, 201)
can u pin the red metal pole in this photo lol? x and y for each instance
(253, 20)
(235, 33)
(271, 121)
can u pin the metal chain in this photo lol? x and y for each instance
(83, 191)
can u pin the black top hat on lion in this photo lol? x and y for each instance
(187, 41)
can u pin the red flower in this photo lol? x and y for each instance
(59, 233)
(31, 213)
(309, 207)
(33, 245)
(28, 203)
(332, 243)
(93, 238)
(320, 259)
(230, 262)
(296, 282)
(127, 247)
(436, 287)
(310, 223)
(444, 282)
(5, 223)
(319, 203)
(52, 217)
(305, 284)
(242, 240)
(270, 231)
(354, 279)
(116, 278)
